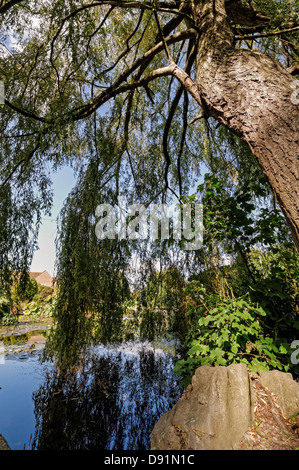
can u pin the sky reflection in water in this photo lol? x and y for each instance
(111, 403)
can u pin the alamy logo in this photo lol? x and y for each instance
(2, 93)
(158, 221)
(295, 354)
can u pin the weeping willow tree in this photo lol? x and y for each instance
(137, 96)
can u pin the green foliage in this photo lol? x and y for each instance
(238, 317)
(39, 307)
(33, 308)
(62, 61)
(44, 291)
(235, 219)
(276, 288)
(151, 324)
(230, 330)
(162, 299)
(6, 316)
(282, 12)
(26, 288)
(4, 306)
(163, 289)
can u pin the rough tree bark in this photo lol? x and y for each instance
(250, 93)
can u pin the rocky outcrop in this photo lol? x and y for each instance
(285, 389)
(218, 408)
(213, 413)
(3, 444)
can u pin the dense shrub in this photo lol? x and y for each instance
(229, 330)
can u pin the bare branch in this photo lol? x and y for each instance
(190, 60)
(200, 116)
(88, 44)
(128, 48)
(170, 116)
(266, 35)
(161, 33)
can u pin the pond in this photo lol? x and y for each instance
(110, 402)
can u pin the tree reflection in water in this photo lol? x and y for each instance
(112, 401)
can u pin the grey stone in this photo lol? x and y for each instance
(285, 388)
(213, 413)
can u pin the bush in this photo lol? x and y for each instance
(44, 291)
(38, 308)
(230, 330)
(26, 288)
(33, 308)
(4, 306)
(6, 317)
(277, 288)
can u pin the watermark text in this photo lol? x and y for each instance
(2, 93)
(157, 221)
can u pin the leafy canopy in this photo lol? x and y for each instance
(87, 84)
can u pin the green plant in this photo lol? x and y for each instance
(44, 292)
(233, 220)
(26, 288)
(230, 330)
(48, 309)
(7, 320)
(4, 306)
(33, 308)
(150, 325)
(6, 317)
(276, 288)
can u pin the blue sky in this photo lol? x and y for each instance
(44, 258)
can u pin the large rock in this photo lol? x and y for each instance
(213, 413)
(3, 444)
(285, 389)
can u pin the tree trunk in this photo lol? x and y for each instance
(251, 94)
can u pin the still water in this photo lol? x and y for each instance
(111, 402)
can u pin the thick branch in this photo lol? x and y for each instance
(190, 85)
(266, 35)
(5, 6)
(24, 112)
(245, 13)
(112, 91)
(294, 70)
